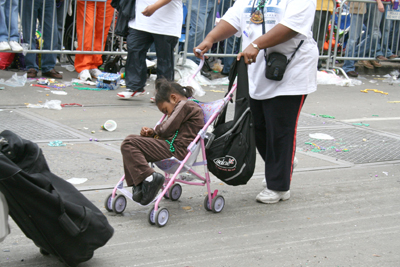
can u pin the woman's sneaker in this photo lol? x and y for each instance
(150, 187)
(129, 93)
(95, 73)
(15, 46)
(270, 196)
(85, 75)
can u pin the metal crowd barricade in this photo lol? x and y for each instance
(328, 30)
(379, 32)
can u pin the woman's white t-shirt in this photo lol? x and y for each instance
(167, 20)
(301, 74)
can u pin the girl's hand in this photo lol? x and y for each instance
(249, 54)
(149, 10)
(147, 132)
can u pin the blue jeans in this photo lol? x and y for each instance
(201, 23)
(35, 8)
(373, 41)
(232, 43)
(61, 9)
(394, 41)
(356, 24)
(7, 11)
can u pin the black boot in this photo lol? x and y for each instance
(151, 188)
(137, 193)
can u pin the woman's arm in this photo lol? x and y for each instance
(150, 9)
(222, 31)
(277, 35)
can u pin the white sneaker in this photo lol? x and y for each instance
(85, 75)
(150, 64)
(4, 46)
(129, 93)
(270, 196)
(152, 99)
(295, 161)
(15, 46)
(95, 73)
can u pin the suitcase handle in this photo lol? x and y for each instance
(70, 227)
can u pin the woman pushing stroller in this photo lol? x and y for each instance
(168, 139)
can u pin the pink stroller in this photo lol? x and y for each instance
(173, 167)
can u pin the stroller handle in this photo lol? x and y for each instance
(200, 65)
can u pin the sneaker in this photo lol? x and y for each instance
(128, 93)
(152, 99)
(151, 188)
(376, 63)
(95, 73)
(15, 46)
(85, 75)
(270, 196)
(137, 193)
(4, 46)
(367, 64)
(150, 64)
(295, 162)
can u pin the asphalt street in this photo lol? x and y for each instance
(343, 209)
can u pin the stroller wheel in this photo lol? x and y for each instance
(108, 203)
(119, 204)
(151, 216)
(218, 204)
(175, 192)
(111, 67)
(207, 204)
(162, 216)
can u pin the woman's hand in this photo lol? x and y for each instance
(204, 47)
(147, 132)
(249, 54)
(149, 10)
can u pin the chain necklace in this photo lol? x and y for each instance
(171, 147)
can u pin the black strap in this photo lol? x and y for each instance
(265, 50)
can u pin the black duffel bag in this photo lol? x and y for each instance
(231, 149)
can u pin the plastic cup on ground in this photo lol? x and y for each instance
(109, 125)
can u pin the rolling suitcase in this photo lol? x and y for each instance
(49, 210)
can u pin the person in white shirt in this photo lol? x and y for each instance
(275, 105)
(158, 21)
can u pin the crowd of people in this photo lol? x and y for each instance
(370, 35)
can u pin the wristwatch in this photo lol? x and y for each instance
(255, 46)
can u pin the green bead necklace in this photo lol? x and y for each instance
(171, 147)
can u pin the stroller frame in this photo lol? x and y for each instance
(171, 188)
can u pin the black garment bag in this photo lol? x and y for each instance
(49, 210)
(231, 149)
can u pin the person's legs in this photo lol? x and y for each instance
(386, 25)
(84, 33)
(197, 26)
(138, 43)
(137, 151)
(29, 14)
(281, 116)
(165, 55)
(102, 22)
(4, 28)
(50, 36)
(354, 36)
(11, 12)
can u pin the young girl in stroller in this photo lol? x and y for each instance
(168, 139)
